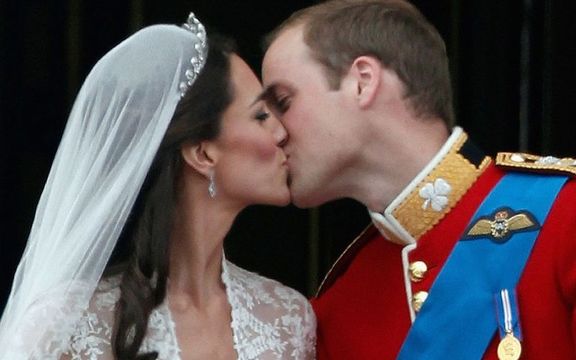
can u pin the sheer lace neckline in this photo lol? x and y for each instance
(269, 321)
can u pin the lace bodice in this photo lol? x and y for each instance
(269, 321)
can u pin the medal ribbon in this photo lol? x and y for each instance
(507, 313)
(460, 305)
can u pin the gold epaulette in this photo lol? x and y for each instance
(543, 164)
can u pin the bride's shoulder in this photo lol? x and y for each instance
(106, 294)
(93, 332)
(101, 308)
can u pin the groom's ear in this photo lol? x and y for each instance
(366, 72)
(201, 157)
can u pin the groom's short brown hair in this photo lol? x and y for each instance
(394, 32)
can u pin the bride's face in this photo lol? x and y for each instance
(251, 166)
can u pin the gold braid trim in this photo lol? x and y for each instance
(542, 164)
(458, 172)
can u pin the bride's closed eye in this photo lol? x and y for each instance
(262, 115)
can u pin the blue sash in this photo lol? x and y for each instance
(457, 320)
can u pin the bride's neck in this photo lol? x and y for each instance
(196, 248)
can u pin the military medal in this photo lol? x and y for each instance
(509, 347)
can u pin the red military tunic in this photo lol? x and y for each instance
(366, 304)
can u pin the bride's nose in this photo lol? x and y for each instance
(278, 131)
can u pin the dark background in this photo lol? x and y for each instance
(513, 72)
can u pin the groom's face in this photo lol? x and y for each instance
(314, 116)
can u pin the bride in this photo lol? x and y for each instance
(166, 143)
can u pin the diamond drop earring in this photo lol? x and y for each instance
(212, 186)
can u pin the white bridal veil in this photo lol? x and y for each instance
(112, 135)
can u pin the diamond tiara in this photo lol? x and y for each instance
(199, 59)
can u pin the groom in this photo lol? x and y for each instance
(468, 256)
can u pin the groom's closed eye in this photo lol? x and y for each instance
(277, 99)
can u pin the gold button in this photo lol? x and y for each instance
(418, 300)
(417, 270)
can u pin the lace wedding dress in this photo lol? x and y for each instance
(112, 136)
(269, 321)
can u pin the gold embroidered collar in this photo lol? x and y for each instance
(433, 192)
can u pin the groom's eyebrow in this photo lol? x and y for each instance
(266, 94)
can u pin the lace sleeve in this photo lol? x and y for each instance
(91, 339)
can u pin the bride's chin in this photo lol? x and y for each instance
(283, 198)
(286, 201)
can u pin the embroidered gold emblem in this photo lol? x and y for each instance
(501, 225)
(549, 164)
(437, 193)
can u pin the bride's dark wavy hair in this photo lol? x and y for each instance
(141, 257)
